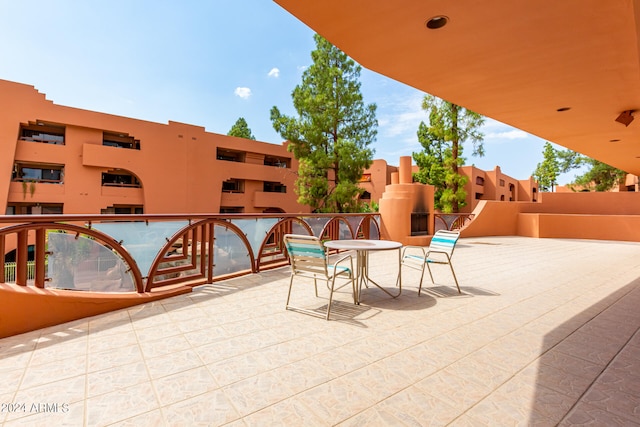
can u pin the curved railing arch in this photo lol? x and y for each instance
(195, 262)
(271, 246)
(40, 249)
(333, 231)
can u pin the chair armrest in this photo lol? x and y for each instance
(412, 247)
(438, 252)
(344, 258)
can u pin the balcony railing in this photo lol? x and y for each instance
(141, 253)
(454, 221)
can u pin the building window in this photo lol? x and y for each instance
(274, 187)
(233, 186)
(42, 132)
(502, 183)
(478, 196)
(121, 140)
(123, 210)
(230, 155)
(279, 162)
(35, 209)
(479, 180)
(365, 177)
(48, 174)
(365, 196)
(231, 209)
(119, 179)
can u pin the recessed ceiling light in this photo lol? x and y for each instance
(437, 22)
(561, 109)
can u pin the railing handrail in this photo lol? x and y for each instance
(191, 248)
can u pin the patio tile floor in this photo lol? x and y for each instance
(545, 333)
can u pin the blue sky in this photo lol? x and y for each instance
(205, 63)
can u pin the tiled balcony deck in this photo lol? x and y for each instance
(546, 334)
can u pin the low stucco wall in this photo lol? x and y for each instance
(25, 308)
(600, 216)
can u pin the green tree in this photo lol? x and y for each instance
(546, 172)
(241, 129)
(599, 177)
(450, 125)
(332, 133)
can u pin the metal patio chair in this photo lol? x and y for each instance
(439, 251)
(309, 259)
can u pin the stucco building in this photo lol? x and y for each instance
(57, 159)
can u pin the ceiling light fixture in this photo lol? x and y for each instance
(437, 22)
(626, 117)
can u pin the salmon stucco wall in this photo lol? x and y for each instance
(178, 166)
(601, 216)
(25, 308)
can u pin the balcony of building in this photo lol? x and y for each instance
(522, 345)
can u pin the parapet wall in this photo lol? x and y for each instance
(600, 216)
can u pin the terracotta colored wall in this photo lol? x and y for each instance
(399, 201)
(604, 216)
(25, 308)
(603, 203)
(496, 186)
(177, 163)
(380, 176)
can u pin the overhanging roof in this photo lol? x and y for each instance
(516, 61)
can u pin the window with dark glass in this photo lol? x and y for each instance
(121, 140)
(43, 133)
(233, 186)
(35, 209)
(274, 187)
(230, 155)
(231, 209)
(119, 179)
(279, 162)
(51, 174)
(123, 210)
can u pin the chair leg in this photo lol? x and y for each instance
(353, 286)
(330, 296)
(455, 278)
(289, 294)
(422, 278)
(315, 285)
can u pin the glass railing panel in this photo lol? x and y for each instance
(354, 222)
(344, 231)
(297, 228)
(316, 223)
(143, 240)
(255, 230)
(81, 263)
(230, 255)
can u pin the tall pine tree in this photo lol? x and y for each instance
(450, 125)
(333, 131)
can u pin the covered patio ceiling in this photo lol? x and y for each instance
(561, 70)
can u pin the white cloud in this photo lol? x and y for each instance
(302, 68)
(275, 73)
(401, 117)
(243, 92)
(494, 130)
(511, 134)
